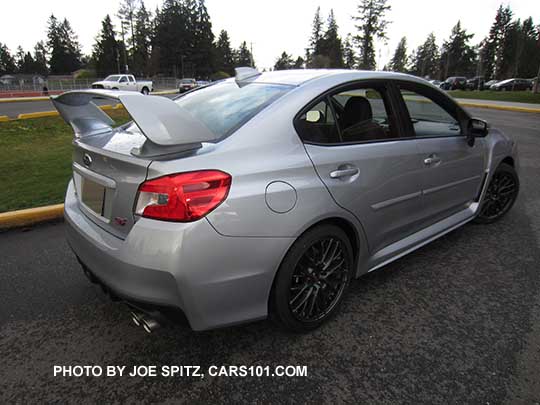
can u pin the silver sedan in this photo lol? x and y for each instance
(264, 195)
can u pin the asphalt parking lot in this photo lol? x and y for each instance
(456, 322)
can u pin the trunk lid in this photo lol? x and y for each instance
(107, 177)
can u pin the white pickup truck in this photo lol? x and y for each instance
(124, 82)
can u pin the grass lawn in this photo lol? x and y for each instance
(514, 96)
(35, 161)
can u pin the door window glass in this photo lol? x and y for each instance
(363, 115)
(318, 125)
(429, 118)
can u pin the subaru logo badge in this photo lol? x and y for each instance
(87, 160)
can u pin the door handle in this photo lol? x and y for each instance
(432, 160)
(336, 174)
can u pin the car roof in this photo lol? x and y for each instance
(297, 77)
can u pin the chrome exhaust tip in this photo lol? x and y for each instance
(149, 324)
(136, 318)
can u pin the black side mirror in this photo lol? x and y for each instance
(476, 128)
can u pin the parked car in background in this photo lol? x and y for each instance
(124, 82)
(201, 83)
(454, 83)
(512, 85)
(476, 83)
(187, 85)
(266, 194)
(436, 83)
(487, 85)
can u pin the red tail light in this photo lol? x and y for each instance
(183, 197)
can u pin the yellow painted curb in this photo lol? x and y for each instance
(30, 216)
(501, 107)
(158, 93)
(28, 116)
(23, 99)
(44, 114)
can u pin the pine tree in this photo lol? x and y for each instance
(224, 54)
(425, 60)
(141, 40)
(398, 62)
(204, 42)
(243, 56)
(330, 44)
(299, 63)
(63, 47)
(106, 49)
(372, 25)
(40, 58)
(530, 56)
(348, 53)
(493, 46)
(284, 62)
(127, 13)
(503, 52)
(7, 62)
(171, 38)
(314, 47)
(457, 56)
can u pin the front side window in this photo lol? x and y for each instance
(226, 106)
(429, 118)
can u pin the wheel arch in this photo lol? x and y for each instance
(509, 160)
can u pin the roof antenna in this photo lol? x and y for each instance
(245, 73)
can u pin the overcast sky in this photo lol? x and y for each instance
(272, 26)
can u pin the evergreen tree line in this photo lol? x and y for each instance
(511, 49)
(174, 40)
(177, 40)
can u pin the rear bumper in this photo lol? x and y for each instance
(215, 280)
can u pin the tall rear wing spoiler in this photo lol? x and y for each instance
(163, 122)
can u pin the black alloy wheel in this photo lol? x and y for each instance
(500, 195)
(312, 279)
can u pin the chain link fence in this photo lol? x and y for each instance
(37, 86)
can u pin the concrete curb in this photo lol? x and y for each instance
(500, 107)
(31, 216)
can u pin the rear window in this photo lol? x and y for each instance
(225, 107)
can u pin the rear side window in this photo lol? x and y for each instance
(318, 125)
(226, 106)
(361, 114)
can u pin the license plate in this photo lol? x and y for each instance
(93, 195)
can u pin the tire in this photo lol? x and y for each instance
(115, 88)
(145, 91)
(304, 297)
(501, 195)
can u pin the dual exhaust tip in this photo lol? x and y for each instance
(147, 323)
